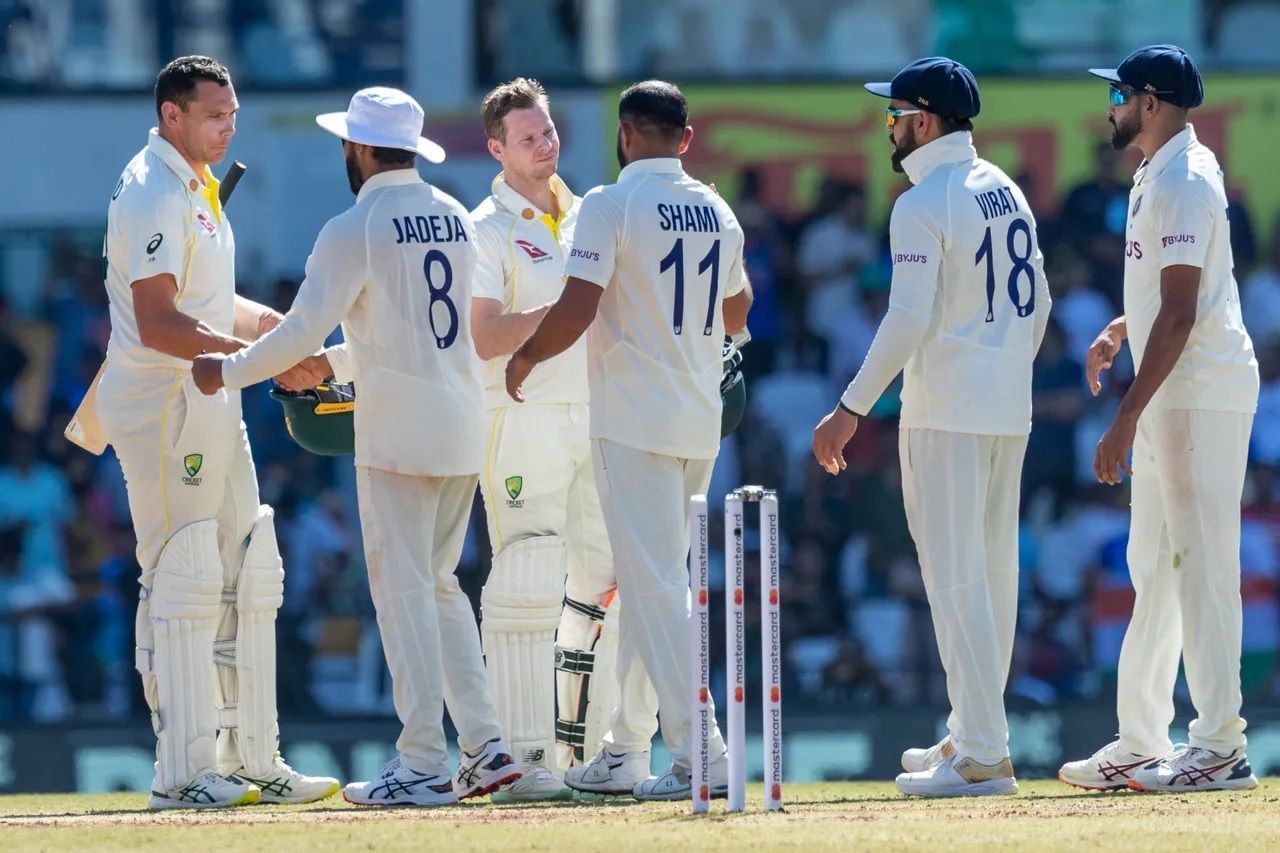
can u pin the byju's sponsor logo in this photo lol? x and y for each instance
(1173, 239)
(585, 255)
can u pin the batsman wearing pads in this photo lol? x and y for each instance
(968, 307)
(1187, 418)
(550, 597)
(212, 577)
(658, 256)
(395, 270)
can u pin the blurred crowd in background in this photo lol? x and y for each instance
(856, 623)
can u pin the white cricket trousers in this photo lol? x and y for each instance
(1184, 561)
(541, 452)
(645, 498)
(414, 529)
(961, 495)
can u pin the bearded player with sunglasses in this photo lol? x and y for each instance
(1186, 418)
(968, 307)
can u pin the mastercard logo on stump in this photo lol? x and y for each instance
(773, 596)
(702, 695)
(704, 793)
(702, 597)
(737, 597)
(776, 791)
(775, 694)
(737, 695)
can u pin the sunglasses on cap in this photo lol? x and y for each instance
(1120, 96)
(892, 114)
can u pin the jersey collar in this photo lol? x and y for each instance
(953, 148)
(517, 204)
(1179, 142)
(207, 187)
(651, 165)
(392, 178)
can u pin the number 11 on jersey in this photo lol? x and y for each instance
(675, 258)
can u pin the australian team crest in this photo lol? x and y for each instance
(514, 486)
(192, 462)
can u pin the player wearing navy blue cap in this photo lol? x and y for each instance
(1187, 418)
(967, 311)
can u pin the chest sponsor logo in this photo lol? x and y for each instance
(585, 255)
(902, 258)
(192, 462)
(1174, 239)
(206, 223)
(538, 255)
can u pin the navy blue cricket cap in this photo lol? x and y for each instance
(935, 84)
(1163, 70)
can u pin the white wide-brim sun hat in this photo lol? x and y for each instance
(385, 118)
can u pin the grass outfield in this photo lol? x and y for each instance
(859, 815)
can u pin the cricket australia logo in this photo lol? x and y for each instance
(192, 462)
(514, 485)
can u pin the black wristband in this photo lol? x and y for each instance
(841, 404)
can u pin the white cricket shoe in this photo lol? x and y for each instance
(398, 785)
(485, 771)
(287, 786)
(206, 791)
(610, 772)
(674, 784)
(538, 784)
(1108, 769)
(1192, 768)
(960, 777)
(915, 760)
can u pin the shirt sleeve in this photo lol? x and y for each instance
(335, 275)
(1044, 301)
(1184, 220)
(490, 280)
(735, 277)
(340, 362)
(156, 233)
(595, 239)
(915, 239)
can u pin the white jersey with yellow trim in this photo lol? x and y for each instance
(521, 265)
(164, 219)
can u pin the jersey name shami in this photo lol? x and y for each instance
(688, 217)
(429, 229)
(996, 203)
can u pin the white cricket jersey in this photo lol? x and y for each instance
(163, 219)
(667, 251)
(1178, 215)
(395, 270)
(969, 301)
(522, 255)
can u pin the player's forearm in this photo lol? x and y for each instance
(559, 330)
(736, 308)
(497, 335)
(185, 337)
(1118, 328)
(899, 334)
(249, 315)
(1169, 335)
(285, 346)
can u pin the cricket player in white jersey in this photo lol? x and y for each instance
(212, 577)
(549, 609)
(396, 269)
(658, 256)
(967, 311)
(1186, 418)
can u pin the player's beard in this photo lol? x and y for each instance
(622, 157)
(354, 178)
(1125, 131)
(902, 149)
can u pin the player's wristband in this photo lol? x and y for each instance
(841, 404)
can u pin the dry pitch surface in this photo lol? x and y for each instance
(844, 816)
